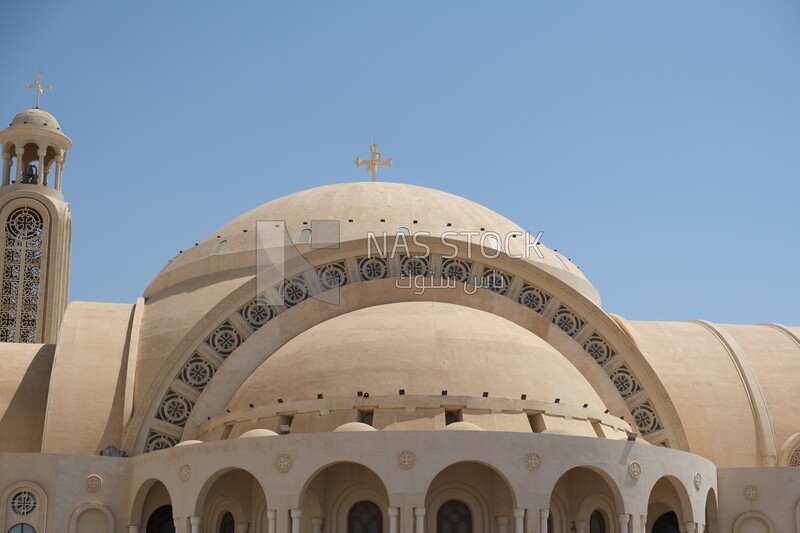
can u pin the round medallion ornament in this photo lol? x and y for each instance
(185, 473)
(283, 463)
(406, 460)
(634, 470)
(23, 503)
(533, 462)
(93, 483)
(698, 481)
(751, 493)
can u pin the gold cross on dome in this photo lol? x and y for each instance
(374, 162)
(39, 87)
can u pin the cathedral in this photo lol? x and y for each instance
(370, 357)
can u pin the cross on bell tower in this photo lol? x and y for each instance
(37, 84)
(374, 162)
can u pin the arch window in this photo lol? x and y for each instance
(161, 521)
(22, 528)
(304, 237)
(22, 275)
(454, 517)
(364, 517)
(227, 524)
(597, 523)
(219, 247)
(666, 523)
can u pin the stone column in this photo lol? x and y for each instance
(296, 514)
(419, 520)
(316, 523)
(580, 526)
(643, 519)
(544, 514)
(180, 524)
(519, 520)
(690, 527)
(502, 524)
(272, 517)
(20, 170)
(194, 521)
(133, 529)
(623, 523)
(59, 168)
(6, 168)
(41, 154)
(393, 513)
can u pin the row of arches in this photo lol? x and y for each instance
(34, 163)
(465, 497)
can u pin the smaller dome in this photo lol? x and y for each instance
(188, 443)
(463, 426)
(36, 118)
(354, 426)
(257, 433)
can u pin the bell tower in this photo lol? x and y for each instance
(36, 227)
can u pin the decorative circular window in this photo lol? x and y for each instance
(23, 503)
(24, 224)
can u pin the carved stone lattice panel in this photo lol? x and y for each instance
(257, 313)
(293, 291)
(623, 380)
(496, 280)
(22, 276)
(533, 298)
(332, 275)
(372, 268)
(599, 349)
(411, 266)
(567, 321)
(644, 416)
(175, 409)
(456, 269)
(159, 441)
(225, 339)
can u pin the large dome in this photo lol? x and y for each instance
(365, 208)
(421, 347)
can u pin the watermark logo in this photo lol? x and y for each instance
(278, 254)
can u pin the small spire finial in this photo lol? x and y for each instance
(374, 162)
(37, 85)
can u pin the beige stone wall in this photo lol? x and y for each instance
(88, 382)
(756, 500)
(24, 382)
(65, 503)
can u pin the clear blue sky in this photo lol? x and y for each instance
(657, 144)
